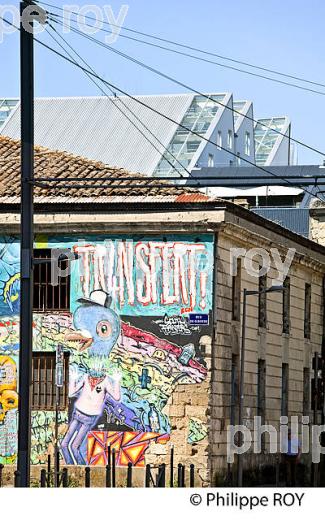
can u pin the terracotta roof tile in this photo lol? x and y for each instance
(61, 165)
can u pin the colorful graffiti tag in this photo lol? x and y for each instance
(8, 408)
(197, 430)
(128, 446)
(129, 335)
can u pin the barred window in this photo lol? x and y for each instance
(43, 385)
(47, 296)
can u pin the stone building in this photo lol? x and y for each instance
(149, 319)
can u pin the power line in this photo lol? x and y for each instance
(120, 109)
(153, 109)
(184, 85)
(189, 47)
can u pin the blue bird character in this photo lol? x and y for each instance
(97, 330)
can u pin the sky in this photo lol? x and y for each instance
(285, 35)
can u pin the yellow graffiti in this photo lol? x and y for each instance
(8, 385)
(7, 288)
(8, 401)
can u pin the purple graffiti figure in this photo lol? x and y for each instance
(97, 329)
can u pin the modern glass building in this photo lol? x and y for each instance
(6, 108)
(270, 147)
(110, 130)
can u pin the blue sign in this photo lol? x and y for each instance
(198, 319)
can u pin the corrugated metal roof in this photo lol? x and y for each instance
(295, 219)
(83, 126)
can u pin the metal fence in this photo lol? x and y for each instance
(155, 476)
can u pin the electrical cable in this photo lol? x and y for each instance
(139, 101)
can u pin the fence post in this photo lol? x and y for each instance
(179, 475)
(148, 475)
(65, 478)
(17, 478)
(49, 471)
(43, 478)
(161, 477)
(113, 469)
(192, 476)
(57, 469)
(108, 476)
(1, 470)
(183, 475)
(129, 475)
(171, 478)
(87, 477)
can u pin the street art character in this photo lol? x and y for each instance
(8, 384)
(97, 330)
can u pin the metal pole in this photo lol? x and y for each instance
(241, 388)
(316, 368)
(43, 478)
(1, 470)
(17, 479)
(129, 475)
(171, 483)
(148, 476)
(87, 477)
(26, 245)
(65, 478)
(113, 468)
(192, 475)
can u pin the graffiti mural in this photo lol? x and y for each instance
(42, 434)
(197, 430)
(8, 409)
(140, 317)
(128, 446)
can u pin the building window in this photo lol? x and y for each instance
(261, 386)
(286, 306)
(229, 139)
(307, 311)
(211, 160)
(43, 384)
(219, 139)
(236, 290)
(262, 301)
(306, 392)
(48, 297)
(285, 390)
(234, 389)
(247, 143)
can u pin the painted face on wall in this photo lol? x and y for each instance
(97, 326)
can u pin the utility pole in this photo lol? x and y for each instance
(26, 245)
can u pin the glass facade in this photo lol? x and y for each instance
(265, 138)
(6, 107)
(183, 145)
(238, 106)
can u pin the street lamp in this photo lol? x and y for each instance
(246, 292)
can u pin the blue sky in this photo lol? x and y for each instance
(283, 35)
